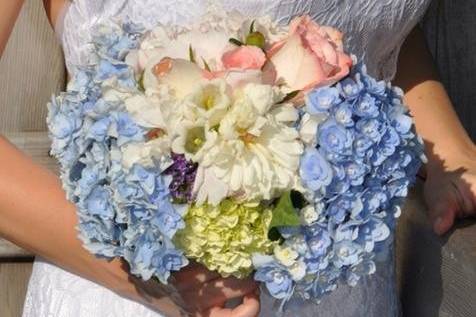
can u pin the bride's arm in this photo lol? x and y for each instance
(10, 10)
(450, 187)
(35, 215)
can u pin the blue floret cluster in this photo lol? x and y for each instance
(122, 212)
(356, 173)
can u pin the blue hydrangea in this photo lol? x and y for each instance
(366, 157)
(334, 138)
(321, 100)
(277, 279)
(122, 213)
(315, 171)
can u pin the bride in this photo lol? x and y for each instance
(80, 285)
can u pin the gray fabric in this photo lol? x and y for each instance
(450, 29)
(374, 296)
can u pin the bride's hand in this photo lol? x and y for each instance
(450, 190)
(201, 293)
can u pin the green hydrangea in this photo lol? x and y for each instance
(224, 237)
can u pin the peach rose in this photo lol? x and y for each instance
(244, 57)
(310, 56)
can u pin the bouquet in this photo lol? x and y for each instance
(244, 145)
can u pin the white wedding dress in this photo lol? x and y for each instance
(374, 30)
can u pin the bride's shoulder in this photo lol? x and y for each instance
(54, 8)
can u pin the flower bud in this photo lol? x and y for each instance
(255, 39)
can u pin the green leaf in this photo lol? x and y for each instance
(252, 27)
(191, 55)
(284, 214)
(235, 41)
(290, 96)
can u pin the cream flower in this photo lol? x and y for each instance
(147, 153)
(208, 187)
(309, 215)
(193, 140)
(298, 270)
(211, 101)
(181, 76)
(256, 152)
(285, 255)
(308, 129)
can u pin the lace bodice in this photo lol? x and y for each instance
(374, 29)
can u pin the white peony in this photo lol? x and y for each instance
(179, 75)
(256, 152)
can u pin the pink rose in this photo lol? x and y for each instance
(310, 56)
(244, 57)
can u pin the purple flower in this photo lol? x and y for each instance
(183, 174)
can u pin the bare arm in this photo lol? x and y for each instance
(451, 183)
(10, 10)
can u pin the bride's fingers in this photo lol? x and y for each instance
(249, 308)
(219, 291)
(193, 275)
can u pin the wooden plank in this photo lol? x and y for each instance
(36, 145)
(14, 278)
(9, 250)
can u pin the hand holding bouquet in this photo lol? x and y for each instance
(243, 145)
